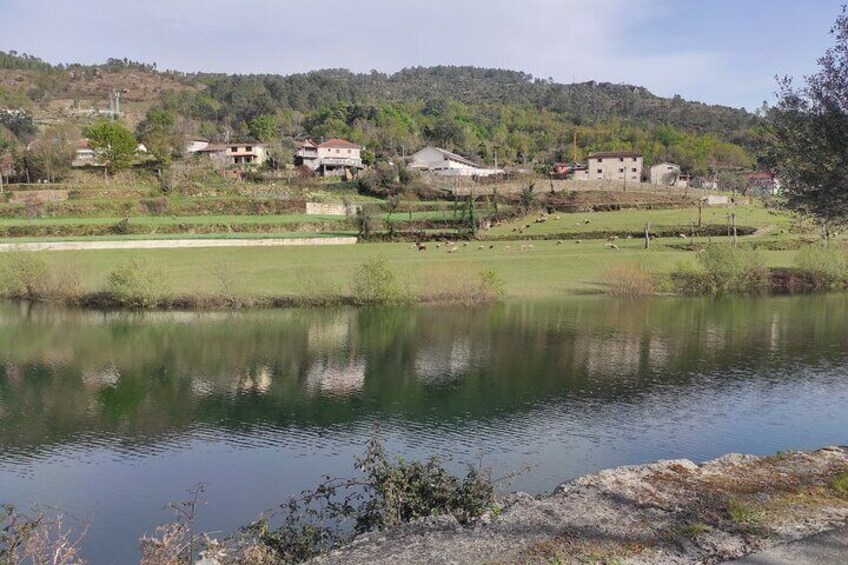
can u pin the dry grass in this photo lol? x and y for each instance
(630, 280)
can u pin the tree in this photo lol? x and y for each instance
(264, 128)
(806, 137)
(158, 131)
(50, 155)
(113, 143)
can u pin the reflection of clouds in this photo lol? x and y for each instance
(336, 377)
(326, 337)
(258, 381)
(201, 386)
(618, 355)
(101, 378)
(715, 339)
(659, 352)
(437, 364)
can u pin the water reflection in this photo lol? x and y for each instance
(67, 373)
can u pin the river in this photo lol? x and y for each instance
(110, 415)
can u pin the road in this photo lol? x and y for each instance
(173, 244)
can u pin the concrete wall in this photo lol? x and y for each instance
(323, 209)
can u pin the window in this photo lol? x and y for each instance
(621, 159)
(248, 148)
(600, 160)
(621, 171)
(600, 171)
(635, 159)
(634, 170)
(338, 150)
(233, 149)
(348, 151)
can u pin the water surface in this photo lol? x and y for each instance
(111, 415)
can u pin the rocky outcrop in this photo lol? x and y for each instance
(666, 512)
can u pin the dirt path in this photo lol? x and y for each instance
(173, 244)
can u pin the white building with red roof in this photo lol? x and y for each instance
(335, 157)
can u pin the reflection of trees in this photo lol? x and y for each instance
(67, 372)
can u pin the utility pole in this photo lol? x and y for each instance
(648, 235)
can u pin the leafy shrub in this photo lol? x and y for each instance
(376, 284)
(365, 222)
(23, 275)
(825, 267)
(137, 284)
(122, 227)
(492, 287)
(389, 494)
(722, 269)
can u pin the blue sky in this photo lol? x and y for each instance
(717, 51)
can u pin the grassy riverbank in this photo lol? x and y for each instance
(546, 270)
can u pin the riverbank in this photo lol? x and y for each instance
(670, 512)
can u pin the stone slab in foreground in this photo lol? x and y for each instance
(671, 512)
(173, 244)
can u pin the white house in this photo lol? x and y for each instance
(336, 157)
(441, 162)
(616, 165)
(665, 174)
(195, 144)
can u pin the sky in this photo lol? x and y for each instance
(716, 51)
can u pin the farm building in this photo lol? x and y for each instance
(441, 162)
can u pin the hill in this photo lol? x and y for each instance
(483, 113)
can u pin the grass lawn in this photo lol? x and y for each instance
(635, 220)
(548, 270)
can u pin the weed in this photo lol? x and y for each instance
(722, 269)
(388, 494)
(825, 267)
(630, 281)
(742, 513)
(375, 284)
(840, 484)
(137, 284)
(23, 275)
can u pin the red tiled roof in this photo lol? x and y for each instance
(339, 144)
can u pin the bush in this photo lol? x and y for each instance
(630, 281)
(389, 494)
(375, 284)
(365, 222)
(825, 267)
(137, 284)
(722, 269)
(462, 283)
(24, 275)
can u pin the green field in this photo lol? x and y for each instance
(635, 220)
(548, 270)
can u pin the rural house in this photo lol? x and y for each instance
(236, 154)
(336, 157)
(665, 174)
(762, 184)
(441, 162)
(195, 144)
(616, 166)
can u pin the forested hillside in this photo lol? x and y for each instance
(482, 113)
